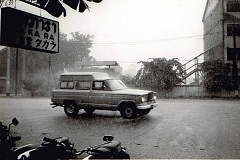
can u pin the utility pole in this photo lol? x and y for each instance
(49, 72)
(235, 67)
(16, 73)
(8, 73)
(23, 69)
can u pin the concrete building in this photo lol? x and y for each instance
(219, 19)
(221, 22)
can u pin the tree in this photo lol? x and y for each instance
(73, 50)
(41, 65)
(32, 86)
(70, 51)
(217, 76)
(82, 43)
(160, 74)
(128, 80)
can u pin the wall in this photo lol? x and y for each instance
(196, 92)
(213, 30)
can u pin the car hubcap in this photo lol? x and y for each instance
(70, 109)
(128, 112)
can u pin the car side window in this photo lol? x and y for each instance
(83, 85)
(98, 85)
(67, 85)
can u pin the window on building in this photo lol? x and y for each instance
(233, 27)
(67, 85)
(231, 53)
(83, 85)
(233, 6)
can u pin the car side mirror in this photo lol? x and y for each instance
(104, 87)
(108, 138)
(15, 121)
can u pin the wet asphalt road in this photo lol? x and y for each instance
(177, 128)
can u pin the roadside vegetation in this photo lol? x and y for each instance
(217, 76)
(158, 74)
(43, 68)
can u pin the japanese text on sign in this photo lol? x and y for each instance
(41, 33)
(29, 31)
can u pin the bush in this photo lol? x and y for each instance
(217, 76)
(32, 86)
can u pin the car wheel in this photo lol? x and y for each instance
(71, 109)
(89, 110)
(122, 155)
(143, 111)
(128, 112)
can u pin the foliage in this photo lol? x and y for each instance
(42, 65)
(128, 80)
(75, 49)
(70, 51)
(217, 76)
(160, 74)
(32, 86)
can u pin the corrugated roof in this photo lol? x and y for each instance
(98, 63)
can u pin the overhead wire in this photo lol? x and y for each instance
(207, 34)
(152, 41)
(142, 42)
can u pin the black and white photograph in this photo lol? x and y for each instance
(119, 79)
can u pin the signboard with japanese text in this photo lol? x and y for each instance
(24, 30)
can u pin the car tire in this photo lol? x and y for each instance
(143, 112)
(89, 110)
(71, 109)
(122, 155)
(128, 111)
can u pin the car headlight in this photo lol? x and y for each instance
(144, 99)
(154, 97)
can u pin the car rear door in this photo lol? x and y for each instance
(82, 92)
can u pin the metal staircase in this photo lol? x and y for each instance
(193, 71)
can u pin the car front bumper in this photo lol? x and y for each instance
(147, 106)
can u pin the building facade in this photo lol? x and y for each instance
(221, 20)
(221, 25)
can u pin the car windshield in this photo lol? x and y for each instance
(115, 84)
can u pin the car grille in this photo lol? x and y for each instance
(150, 96)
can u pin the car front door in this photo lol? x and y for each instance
(99, 95)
